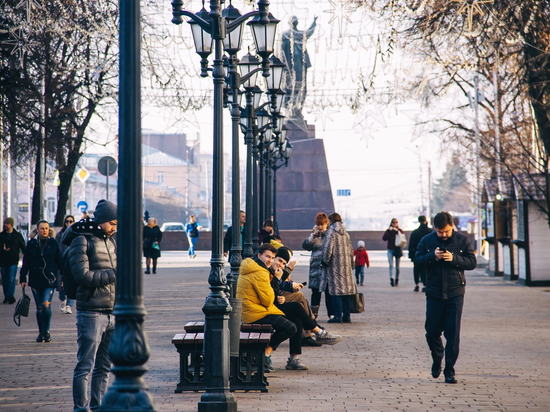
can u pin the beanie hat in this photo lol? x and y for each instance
(360, 244)
(105, 211)
(9, 221)
(284, 253)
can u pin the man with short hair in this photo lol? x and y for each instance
(11, 242)
(192, 230)
(93, 258)
(445, 254)
(417, 235)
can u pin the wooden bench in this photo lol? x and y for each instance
(250, 365)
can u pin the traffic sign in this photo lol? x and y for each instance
(82, 206)
(107, 164)
(82, 175)
(343, 192)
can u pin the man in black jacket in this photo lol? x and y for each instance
(446, 254)
(416, 236)
(11, 242)
(93, 259)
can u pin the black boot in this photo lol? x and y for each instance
(148, 271)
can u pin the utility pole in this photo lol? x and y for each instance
(478, 179)
(429, 207)
(497, 120)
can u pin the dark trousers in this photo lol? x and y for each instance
(296, 313)
(284, 329)
(316, 300)
(444, 316)
(342, 304)
(419, 275)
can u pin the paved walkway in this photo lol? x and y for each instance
(382, 364)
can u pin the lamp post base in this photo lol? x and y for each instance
(217, 402)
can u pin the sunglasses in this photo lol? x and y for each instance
(69, 221)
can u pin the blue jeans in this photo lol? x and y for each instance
(192, 242)
(95, 331)
(8, 280)
(444, 316)
(341, 304)
(43, 300)
(390, 261)
(359, 274)
(63, 297)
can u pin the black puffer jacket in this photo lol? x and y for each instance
(416, 237)
(42, 265)
(445, 279)
(92, 257)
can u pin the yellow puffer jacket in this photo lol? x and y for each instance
(254, 289)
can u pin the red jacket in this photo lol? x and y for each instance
(361, 257)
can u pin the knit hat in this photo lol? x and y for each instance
(9, 221)
(105, 211)
(360, 244)
(284, 253)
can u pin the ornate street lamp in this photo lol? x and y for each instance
(217, 306)
(129, 349)
(285, 151)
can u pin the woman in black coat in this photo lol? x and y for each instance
(152, 236)
(41, 262)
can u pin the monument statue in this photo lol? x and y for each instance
(297, 60)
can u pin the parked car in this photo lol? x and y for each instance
(172, 227)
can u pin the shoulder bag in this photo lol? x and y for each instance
(22, 308)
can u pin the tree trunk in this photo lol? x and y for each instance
(65, 179)
(36, 206)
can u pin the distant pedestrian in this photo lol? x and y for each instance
(314, 244)
(41, 263)
(192, 230)
(394, 252)
(267, 230)
(275, 226)
(446, 254)
(152, 236)
(361, 260)
(228, 238)
(66, 303)
(93, 261)
(337, 263)
(11, 242)
(417, 234)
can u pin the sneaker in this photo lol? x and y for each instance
(63, 306)
(327, 338)
(40, 338)
(268, 364)
(294, 364)
(416, 288)
(194, 256)
(47, 337)
(334, 319)
(309, 341)
(68, 311)
(346, 319)
(423, 290)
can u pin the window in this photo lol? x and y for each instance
(160, 178)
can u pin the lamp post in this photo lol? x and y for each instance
(284, 154)
(129, 349)
(217, 307)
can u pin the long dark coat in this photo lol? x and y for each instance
(151, 235)
(337, 262)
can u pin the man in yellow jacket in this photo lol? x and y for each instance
(258, 297)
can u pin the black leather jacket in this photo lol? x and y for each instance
(445, 279)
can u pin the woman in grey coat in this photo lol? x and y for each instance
(337, 273)
(314, 244)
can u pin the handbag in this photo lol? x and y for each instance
(156, 246)
(357, 302)
(400, 240)
(397, 252)
(22, 308)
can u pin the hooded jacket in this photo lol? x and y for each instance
(337, 262)
(416, 236)
(445, 280)
(93, 260)
(42, 265)
(314, 244)
(254, 288)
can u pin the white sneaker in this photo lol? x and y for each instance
(68, 310)
(63, 306)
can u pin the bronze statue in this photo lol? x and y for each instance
(297, 60)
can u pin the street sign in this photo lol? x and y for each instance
(82, 175)
(82, 206)
(343, 192)
(107, 164)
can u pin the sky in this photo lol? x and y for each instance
(377, 152)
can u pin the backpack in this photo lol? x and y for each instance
(69, 285)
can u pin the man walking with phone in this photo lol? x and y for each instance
(445, 254)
